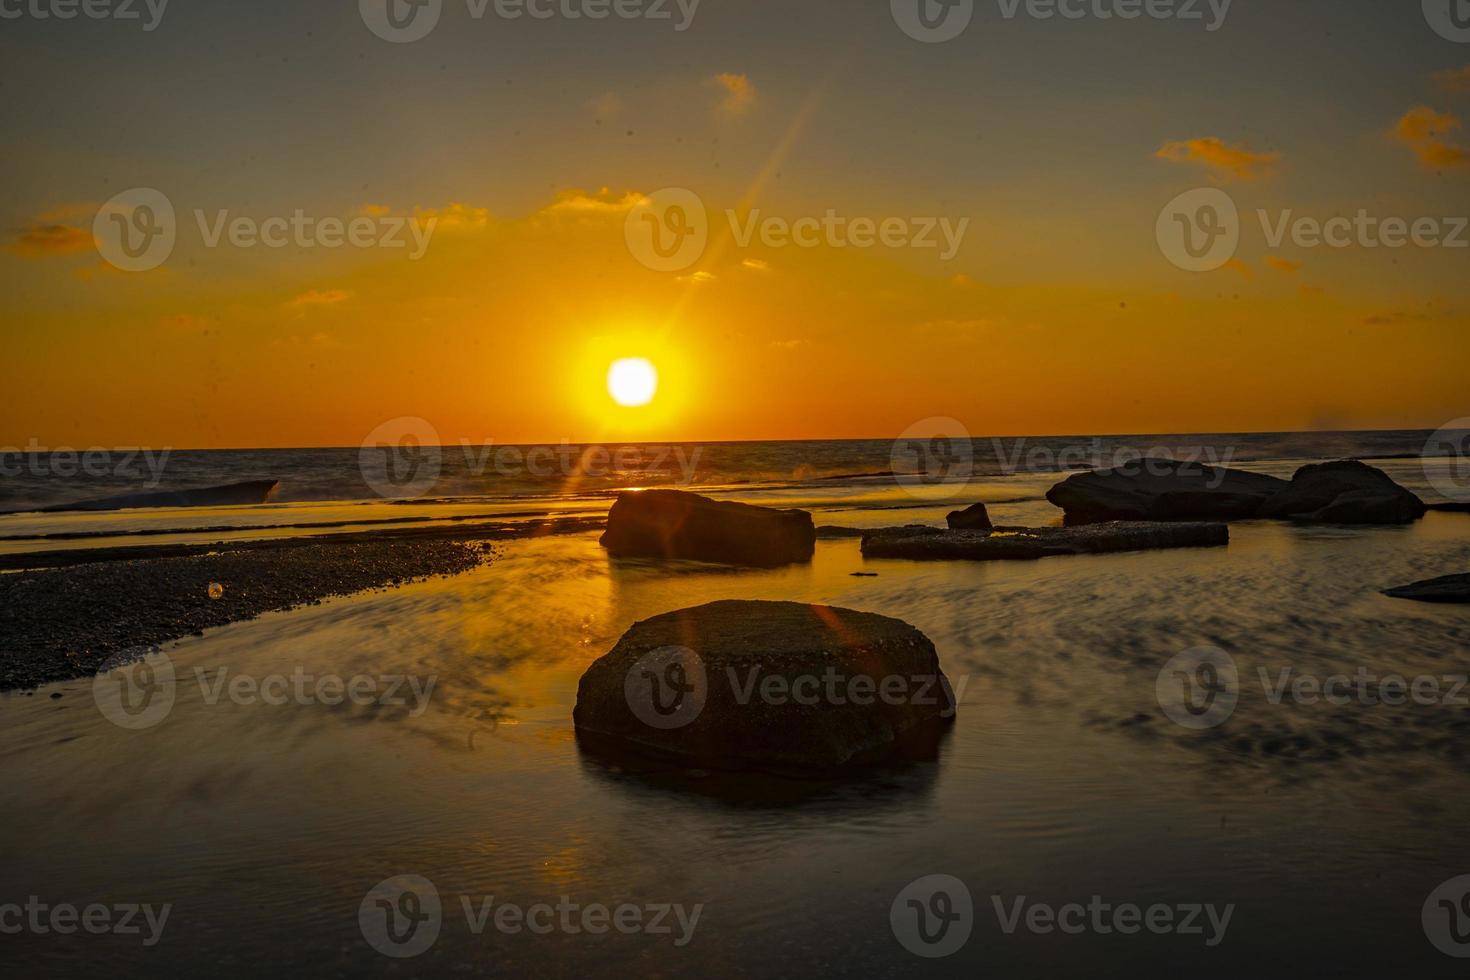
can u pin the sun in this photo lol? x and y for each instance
(632, 381)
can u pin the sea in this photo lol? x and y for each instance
(1073, 823)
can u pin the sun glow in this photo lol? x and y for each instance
(632, 381)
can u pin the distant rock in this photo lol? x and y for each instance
(922, 543)
(676, 524)
(1341, 492)
(776, 686)
(1344, 492)
(973, 518)
(832, 532)
(1453, 507)
(1163, 490)
(232, 495)
(1448, 588)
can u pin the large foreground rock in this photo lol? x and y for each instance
(675, 524)
(921, 543)
(777, 686)
(1163, 490)
(231, 495)
(1448, 588)
(1344, 492)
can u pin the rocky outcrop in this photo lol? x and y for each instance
(1341, 492)
(231, 495)
(922, 543)
(1447, 588)
(972, 518)
(1163, 490)
(676, 524)
(1344, 492)
(775, 686)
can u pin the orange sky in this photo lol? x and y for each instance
(1058, 313)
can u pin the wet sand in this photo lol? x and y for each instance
(73, 613)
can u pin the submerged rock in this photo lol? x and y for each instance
(1447, 588)
(972, 518)
(921, 543)
(231, 495)
(676, 524)
(775, 686)
(1344, 492)
(1163, 490)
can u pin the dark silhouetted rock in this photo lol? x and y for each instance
(972, 518)
(233, 495)
(1163, 490)
(922, 543)
(1344, 492)
(675, 524)
(1452, 507)
(1448, 588)
(775, 686)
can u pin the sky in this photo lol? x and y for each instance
(531, 153)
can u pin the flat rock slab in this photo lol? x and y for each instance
(1448, 588)
(1028, 544)
(774, 686)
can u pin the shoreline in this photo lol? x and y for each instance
(65, 619)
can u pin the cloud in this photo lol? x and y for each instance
(739, 92)
(756, 265)
(1424, 130)
(318, 297)
(1239, 162)
(698, 278)
(1238, 265)
(602, 202)
(45, 240)
(454, 217)
(1455, 81)
(1283, 265)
